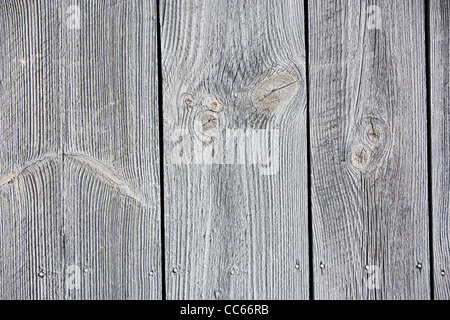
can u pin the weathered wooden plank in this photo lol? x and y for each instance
(79, 130)
(235, 160)
(112, 168)
(440, 106)
(368, 115)
(31, 216)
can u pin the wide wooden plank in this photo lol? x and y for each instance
(79, 133)
(235, 149)
(440, 124)
(368, 114)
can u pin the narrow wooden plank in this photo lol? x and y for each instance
(86, 135)
(368, 114)
(31, 216)
(235, 160)
(112, 157)
(440, 106)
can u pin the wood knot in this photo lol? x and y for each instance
(371, 141)
(374, 134)
(188, 100)
(375, 129)
(360, 157)
(209, 123)
(211, 103)
(275, 92)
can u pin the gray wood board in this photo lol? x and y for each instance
(236, 222)
(440, 123)
(79, 212)
(368, 114)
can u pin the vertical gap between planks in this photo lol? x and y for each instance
(429, 140)
(161, 150)
(308, 141)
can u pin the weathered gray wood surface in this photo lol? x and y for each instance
(440, 106)
(368, 114)
(79, 212)
(31, 216)
(236, 230)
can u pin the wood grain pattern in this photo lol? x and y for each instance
(79, 133)
(440, 105)
(31, 213)
(234, 229)
(368, 115)
(80, 211)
